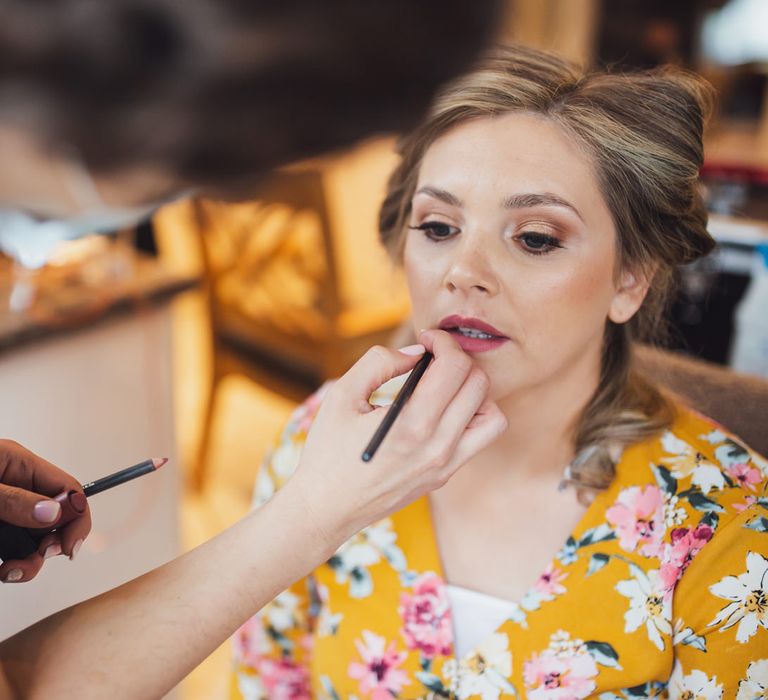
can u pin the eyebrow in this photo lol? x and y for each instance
(515, 201)
(538, 199)
(442, 195)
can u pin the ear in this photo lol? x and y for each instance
(630, 293)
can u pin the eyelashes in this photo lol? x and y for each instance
(538, 243)
(436, 230)
(531, 242)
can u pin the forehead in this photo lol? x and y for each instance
(515, 152)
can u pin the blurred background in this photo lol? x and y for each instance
(195, 335)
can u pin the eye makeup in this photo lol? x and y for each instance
(436, 230)
(536, 243)
(530, 242)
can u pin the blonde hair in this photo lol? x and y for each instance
(643, 132)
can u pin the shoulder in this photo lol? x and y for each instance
(698, 460)
(676, 492)
(691, 492)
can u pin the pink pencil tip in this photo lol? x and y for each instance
(159, 461)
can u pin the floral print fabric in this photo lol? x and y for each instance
(661, 591)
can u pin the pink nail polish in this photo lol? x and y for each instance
(52, 550)
(13, 576)
(417, 349)
(46, 512)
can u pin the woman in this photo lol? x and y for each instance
(609, 542)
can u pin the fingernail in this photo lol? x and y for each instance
(417, 349)
(75, 549)
(46, 511)
(52, 550)
(13, 576)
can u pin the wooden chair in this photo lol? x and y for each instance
(273, 285)
(737, 401)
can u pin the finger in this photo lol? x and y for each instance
(50, 546)
(21, 570)
(73, 534)
(486, 426)
(28, 470)
(441, 382)
(376, 367)
(463, 407)
(24, 508)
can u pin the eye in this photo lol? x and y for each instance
(436, 230)
(538, 243)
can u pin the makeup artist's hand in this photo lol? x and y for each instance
(26, 484)
(447, 420)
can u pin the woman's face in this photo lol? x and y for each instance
(512, 249)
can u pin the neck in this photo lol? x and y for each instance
(543, 421)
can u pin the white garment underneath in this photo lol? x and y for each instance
(475, 616)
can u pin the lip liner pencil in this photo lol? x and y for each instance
(19, 542)
(397, 406)
(123, 475)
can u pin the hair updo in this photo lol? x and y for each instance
(643, 133)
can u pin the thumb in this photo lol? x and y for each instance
(376, 367)
(27, 508)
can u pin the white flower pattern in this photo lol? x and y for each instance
(647, 605)
(484, 672)
(755, 685)
(695, 685)
(686, 461)
(748, 594)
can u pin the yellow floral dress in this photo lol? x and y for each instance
(661, 591)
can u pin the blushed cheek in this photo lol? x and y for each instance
(424, 277)
(563, 310)
(421, 291)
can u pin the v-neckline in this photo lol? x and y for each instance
(436, 555)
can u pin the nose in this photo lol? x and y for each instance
(471, 272)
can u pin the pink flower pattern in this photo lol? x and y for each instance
(560, 675)
(749, 501)
(379, 675)
(549, 584)
(684, 545)
(249, 642)
(427, 617)
(284, 679)
(638, 517)
(747, 477)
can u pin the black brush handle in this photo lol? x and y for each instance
(397, 405)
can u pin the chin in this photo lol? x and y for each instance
(502, 384)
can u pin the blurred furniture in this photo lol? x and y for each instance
(737, 401)
(274, 284)
(92, 393)
(91, 281)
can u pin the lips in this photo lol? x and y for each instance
(472, 334)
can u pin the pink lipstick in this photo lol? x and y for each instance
(472, 334)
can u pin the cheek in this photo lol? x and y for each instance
(424, 277)
(570, 302)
